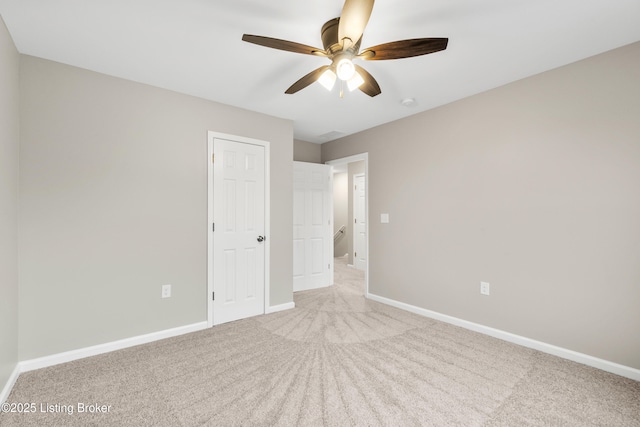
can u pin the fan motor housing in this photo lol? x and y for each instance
(329, 35)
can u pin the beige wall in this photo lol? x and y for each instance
(533, 187)
(9, 149)
(113, 191)
(304, 151)
(340, 212)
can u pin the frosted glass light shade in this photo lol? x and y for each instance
(345, 69)
(354, 82)
(328, 79)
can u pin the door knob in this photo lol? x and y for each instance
(261, 238)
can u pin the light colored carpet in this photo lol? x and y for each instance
(335, 360)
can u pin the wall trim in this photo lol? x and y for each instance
(10, 383)
(585, 359)
(281, 307)
(345, 161)
(81, 353)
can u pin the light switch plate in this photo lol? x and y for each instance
(384, 218)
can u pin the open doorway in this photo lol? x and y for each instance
(350, 214)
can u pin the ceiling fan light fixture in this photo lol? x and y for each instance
(327, 79)
(355, 81)
(345, 69)
(341, 39)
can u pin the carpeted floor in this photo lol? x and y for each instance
(335, 360)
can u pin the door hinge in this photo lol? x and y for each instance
(355, 220)
(355, 254)
(329, 266)
(213, 157)
(213, 226)
(213, 296)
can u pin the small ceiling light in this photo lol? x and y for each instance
(408, 102)
(345, 69)
(355, 81)
(328, 79)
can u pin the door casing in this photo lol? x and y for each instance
(350, 159)
(211, 199)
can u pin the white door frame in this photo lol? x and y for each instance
(344, 161)
(211, 200)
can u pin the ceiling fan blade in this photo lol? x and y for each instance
(305, 81)
(283, 45)
(370, 85)
(353, 20)
(404, 49)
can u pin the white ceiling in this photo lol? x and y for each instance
(195, 47)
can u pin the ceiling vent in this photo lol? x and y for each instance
(330, 136)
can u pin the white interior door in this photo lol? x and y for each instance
(312, 228)
(239, 230)
(359, 226)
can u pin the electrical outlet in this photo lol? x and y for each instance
(484, 288)
(166, 291)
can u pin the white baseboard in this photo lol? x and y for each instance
(10, 383)
(585, 359)
(281, 307)
(68, 356)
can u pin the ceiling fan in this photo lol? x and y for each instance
(341, 38)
